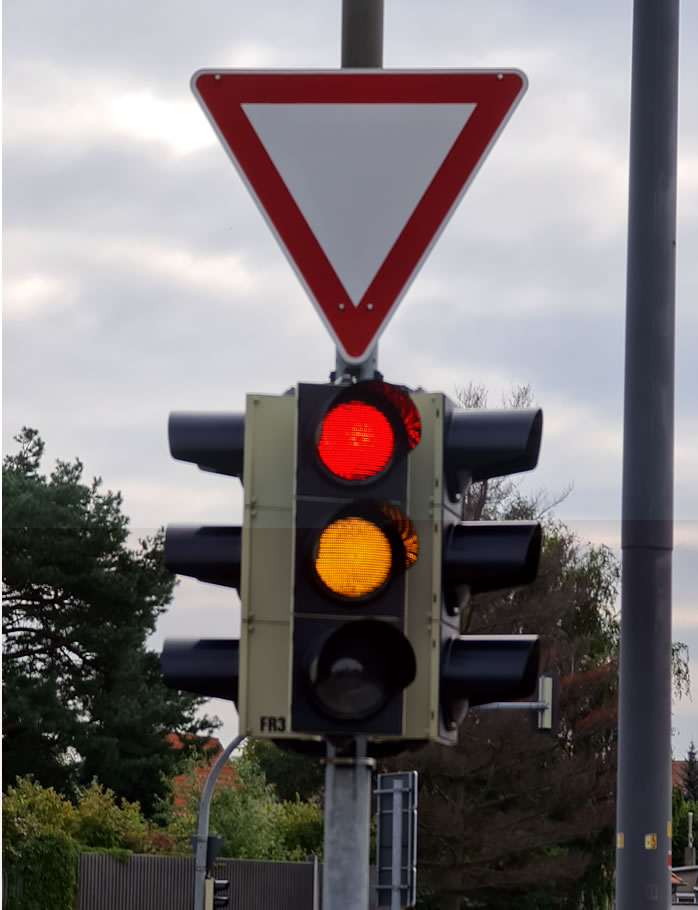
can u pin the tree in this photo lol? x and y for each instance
(82, 697)
(292, 775)
(689, 774)
(680, 808)
(253, 821)
(510, 817)
(508, 809)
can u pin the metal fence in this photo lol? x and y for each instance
(167, 883)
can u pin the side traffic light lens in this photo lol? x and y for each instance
(356, 440)
(354, 557)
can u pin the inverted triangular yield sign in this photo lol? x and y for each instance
(357, 172)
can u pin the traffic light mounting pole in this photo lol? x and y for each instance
(362, 47)
(345, 879)
(348, 777)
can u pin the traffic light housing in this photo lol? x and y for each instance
(255, 559)
(213, 554)
(461, 558)
(266, 576)
(354, 545)
(216, 893)
(353, 562)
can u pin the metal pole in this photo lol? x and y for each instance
(643, 853)
(201, 837)
(345, 880)
(316, 882)
(362, 33)
(362, 47)
(396, 895)
(514, 706)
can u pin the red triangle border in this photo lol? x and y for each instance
(222, 93)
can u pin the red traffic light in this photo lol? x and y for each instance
(365, 428)
(356, 440)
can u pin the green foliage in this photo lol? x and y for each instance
(82, 697)
(247, 815)
(29, 812)
(680, 807)
(292, 775)
(101, 823)
(43, 834)
(300, 827)
(99, 820)
(253, 822)
(43, 874)
(689, 775)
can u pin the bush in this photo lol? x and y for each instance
(29, 810)
(43, 873)
(43, 834)
(101, 823)
(301, 830)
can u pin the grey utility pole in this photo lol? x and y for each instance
(644, 718)
(362, 47)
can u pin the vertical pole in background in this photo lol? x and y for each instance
(345, 879)
(396, 894)
(644, 719)
(689, 854)
(362, 47)
(316, 882)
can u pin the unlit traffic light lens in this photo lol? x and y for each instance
(354, 557)
(359, 667)
(356, 440)
(350, 688)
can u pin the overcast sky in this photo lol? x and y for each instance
(140, 278)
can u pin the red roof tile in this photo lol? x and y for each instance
(676, 778)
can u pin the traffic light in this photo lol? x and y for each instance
(354, 545)
(212, 554)
(460, 558)
(213, 893)
(353, 562)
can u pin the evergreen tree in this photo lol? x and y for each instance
(292, 776)
(82, 697)
(689, 775)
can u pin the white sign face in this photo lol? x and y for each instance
(357, 195)
(357, 172)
